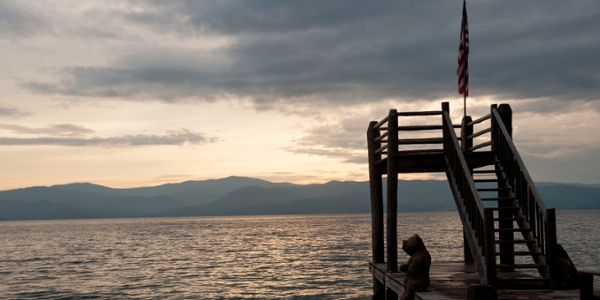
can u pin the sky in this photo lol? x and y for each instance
(138, 93)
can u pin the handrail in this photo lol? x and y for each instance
(482, 145)
(482, 132)
(476, 220)
(477, 121)
(506, 137)
(380, 149)
(380, 123)
(379, 138)
(419, 113)
(462, 161)
(541, 219)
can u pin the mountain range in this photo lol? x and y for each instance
(247, 196)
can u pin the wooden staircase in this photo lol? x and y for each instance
(509, 234)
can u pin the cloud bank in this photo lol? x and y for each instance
(296, 52)
(69, 135)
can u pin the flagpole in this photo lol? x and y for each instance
(465, 104)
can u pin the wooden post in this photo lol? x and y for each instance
(490, 246)
(507, 250)
(376, 206)
(392, 192)
(551, 241)
(465, 131)
(494, 132)
(445, 107)
(506, 114)
(586, 285)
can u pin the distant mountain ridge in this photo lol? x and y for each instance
(247, 196)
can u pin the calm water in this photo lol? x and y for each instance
(234, 257)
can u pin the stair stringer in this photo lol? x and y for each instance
(472, 240)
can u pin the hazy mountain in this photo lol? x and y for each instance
(252, 199)
(241, 195)
(187, 192)
(55, 203)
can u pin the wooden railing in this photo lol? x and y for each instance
(478, 222)
(541, 220)
(380, 134)
(468, 135)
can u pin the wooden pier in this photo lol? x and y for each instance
(510, 245)
(451, 280)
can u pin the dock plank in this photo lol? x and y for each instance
(450, 279)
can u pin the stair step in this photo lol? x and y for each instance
(520, 253)
(485, 180)
(420, 141)
(498, 198)
(506, 208)
(521, 282)
(420, 152)
(511, 229)
(510, 218)
(514, 241)
(483, 171)
(493, 189)
(520, 266)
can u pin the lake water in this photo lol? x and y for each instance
(296, 256)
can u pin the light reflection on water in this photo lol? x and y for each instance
(317, 256)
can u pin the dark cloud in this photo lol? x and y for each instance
(179, 137)
(579, 168)
(18, 20)
(11, 112)
(338, 153)
(54, 130)
(352, 51)
(344, 140)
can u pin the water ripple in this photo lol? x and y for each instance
(294, 257)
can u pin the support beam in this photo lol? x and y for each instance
(392, 192)
(466, 143)
(507, 249)
(375, 181)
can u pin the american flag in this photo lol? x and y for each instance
(463, 55)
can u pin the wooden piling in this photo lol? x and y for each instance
(392, 192)
(375, 181)
(551, 240)
(466, 130)
(507, 249)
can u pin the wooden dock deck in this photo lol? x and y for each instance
(450, 279)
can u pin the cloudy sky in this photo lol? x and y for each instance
(130, 93)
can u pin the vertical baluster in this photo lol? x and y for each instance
(490, 247)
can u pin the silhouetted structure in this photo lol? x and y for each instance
(495, 197)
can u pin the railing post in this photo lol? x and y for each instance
(375, 181)
(507, 249)
(489, 246)
(506, 114)
(392, 192)
(445, 107)
(466, 143)
(551, 241)
(465, 131)
(494, 133)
